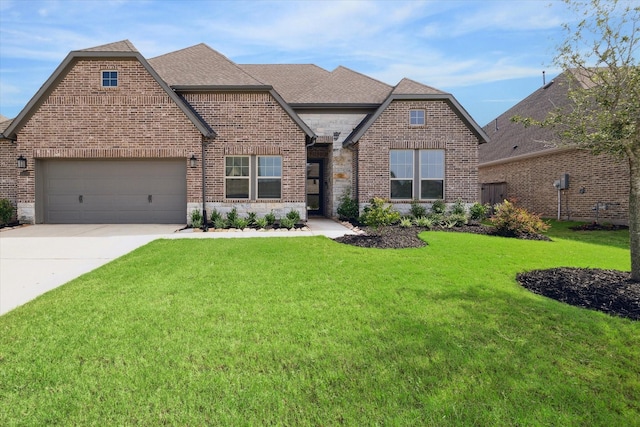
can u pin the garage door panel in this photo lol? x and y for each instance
(114, 191)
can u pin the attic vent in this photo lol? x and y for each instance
(548, 84)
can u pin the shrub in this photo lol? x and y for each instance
(417, 210)
(271, 218)
(294, 216)
(379, 213)
(456, 220)
(240, 223)
(458, 208)
(287, 222)
(436, 218)
(423, 221)
(215, 215)
(348, 209)
(510, 220)
(251, 218)
(478, 211)
(406, 223)
(6, 211)
(220, 223)
(232, 215)
(261, 222)
(196, 218)
(438, 207)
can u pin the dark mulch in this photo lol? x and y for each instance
(595, 226)
(609, 291)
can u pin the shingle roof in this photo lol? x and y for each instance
(289, 80)
(121, 46)
(4, 123)
(345, 86)
(411, 87)
(200, 65)
(510, 139)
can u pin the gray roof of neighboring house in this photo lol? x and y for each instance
(510, 139)
(4, 123)
(200, 65)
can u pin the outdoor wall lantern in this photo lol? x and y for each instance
(192, 161)
(22, 162)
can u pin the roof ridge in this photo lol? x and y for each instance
(362, 74)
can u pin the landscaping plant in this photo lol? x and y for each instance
(6, 211)
(348, 209)
(511, 220)
(379, 213)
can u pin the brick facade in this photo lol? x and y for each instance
(8, 171)
(443, 129)
(593, 180)
(81, 119)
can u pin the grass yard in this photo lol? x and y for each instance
(306, 331)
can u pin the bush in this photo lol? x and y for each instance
(406, 223)
(215, 215)
(438, 207)
(261, 222)
(458, 208)
(271, 218)
(196, 218)
(417, 210)
(232, 215)
(287, 223)
(423, 221)
(456, 220)
(251, 218)
(294, 216)
(379, 213)
(240, 223)
(348, 209)
(220, 223)
(512, 221)
(6, 211)
(478, 211)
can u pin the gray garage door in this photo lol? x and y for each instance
(114, 191)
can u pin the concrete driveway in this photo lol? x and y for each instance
(35, 259)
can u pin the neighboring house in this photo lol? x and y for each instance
(554, 181)
(112, 137)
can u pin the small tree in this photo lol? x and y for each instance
(601, 53)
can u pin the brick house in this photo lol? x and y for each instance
(112, 137)
(553, 181)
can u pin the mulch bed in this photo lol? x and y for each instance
(609, 291)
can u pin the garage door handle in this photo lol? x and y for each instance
(149, 198)
(80, 198)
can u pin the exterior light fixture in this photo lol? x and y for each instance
(22, 162)
(192, 161)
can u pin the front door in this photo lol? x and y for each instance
(314, 187)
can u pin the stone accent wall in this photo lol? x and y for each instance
(443, 130)
(81, 119)
(249, 123)
(593, 180)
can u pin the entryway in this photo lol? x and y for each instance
(315, 196)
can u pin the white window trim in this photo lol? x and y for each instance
(417, 175)
(423, 118)
(253, 177)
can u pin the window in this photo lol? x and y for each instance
(269, 177)
(416, 117)
(419, 176)
(253, 177)
(109, 79)
(237, 177)
(401, 172)
(431, 174)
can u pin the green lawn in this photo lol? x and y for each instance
(306, 331)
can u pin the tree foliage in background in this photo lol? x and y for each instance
(601, 53)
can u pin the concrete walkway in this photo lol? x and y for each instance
(35, 259)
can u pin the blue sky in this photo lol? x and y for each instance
(489, 54)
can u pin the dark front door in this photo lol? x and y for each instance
(314, 187)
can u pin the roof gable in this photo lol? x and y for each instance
(200, 65)
(408, 86)
(122, 50)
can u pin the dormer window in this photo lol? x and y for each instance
(416, 117)
(109, 79)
